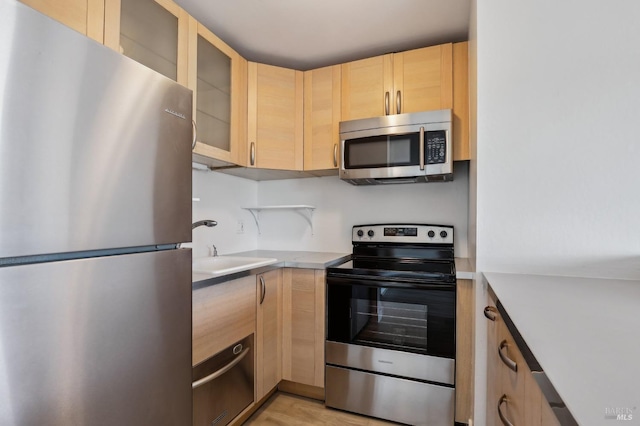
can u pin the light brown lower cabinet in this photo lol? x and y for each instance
(465, 303)
(222, 314)
(303, 332)
(268, 332)
(513, 395)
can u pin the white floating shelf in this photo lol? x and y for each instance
(305, 211)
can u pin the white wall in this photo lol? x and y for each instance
(558, 140)
(558, 107)
(222, 198)
(340, 205)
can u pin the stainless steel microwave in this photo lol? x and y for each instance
(401, 148)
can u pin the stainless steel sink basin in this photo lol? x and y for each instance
(223, 265)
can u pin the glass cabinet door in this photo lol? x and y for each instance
(213, 105)
(152, 32)
(218, 78)
(149, 35)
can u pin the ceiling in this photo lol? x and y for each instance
(307, 34)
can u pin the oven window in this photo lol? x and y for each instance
(382, 151)
(407, 319)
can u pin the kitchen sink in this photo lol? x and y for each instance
(223, 265)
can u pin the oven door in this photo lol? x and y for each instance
(402, 316)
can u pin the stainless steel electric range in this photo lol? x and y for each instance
(390, 349)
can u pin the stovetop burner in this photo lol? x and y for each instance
(417, 253)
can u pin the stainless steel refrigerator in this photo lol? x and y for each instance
(95, 196)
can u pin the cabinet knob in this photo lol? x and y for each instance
(490, 313)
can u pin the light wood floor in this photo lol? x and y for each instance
(290, 410)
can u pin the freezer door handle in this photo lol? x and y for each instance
(221, 371)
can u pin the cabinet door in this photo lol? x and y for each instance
(84, 16)
(152, 32)
(303, 326)
(217, 76)
(422, 79)
(222, 314)
(461, 101)
(275, 118)
(321, 118)
(465, 302)
(367, 87)
(269, 332)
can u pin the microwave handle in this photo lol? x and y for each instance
(421, 148)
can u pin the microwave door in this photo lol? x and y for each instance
(383, 156)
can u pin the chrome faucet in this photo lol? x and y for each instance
(213, 251)
(206, 222)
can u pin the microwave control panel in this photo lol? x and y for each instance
(435, 147)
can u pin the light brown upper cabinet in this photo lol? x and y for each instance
(152, 32)
(84, 16)
(275, 117)
(321, 118)
(218, 78)
(461, 101)
(411, 81)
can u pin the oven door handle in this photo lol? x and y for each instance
(373, 281)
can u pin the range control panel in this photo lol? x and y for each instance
(403, 233)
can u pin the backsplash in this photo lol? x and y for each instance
(339, 206)
(222, 198)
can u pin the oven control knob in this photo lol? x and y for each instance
(443, 234)
(431, 234)
(360, 233)
(370, 233)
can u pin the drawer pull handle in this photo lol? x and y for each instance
(252, 154)
(335, 155)
(490, 313)
(263, 289)
(195, 134)
(398, 102)
(507, 361)
(505, 421)
(386, 103)
(221, 371)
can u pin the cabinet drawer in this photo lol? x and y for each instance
(511, 372)
(222, 314)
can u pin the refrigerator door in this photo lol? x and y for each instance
(95, 148)
(102, 341)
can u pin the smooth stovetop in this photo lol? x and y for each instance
(584, 333)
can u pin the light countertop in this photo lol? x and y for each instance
(285, 259)
(464, 269)
(585, 334)
(308, 260)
